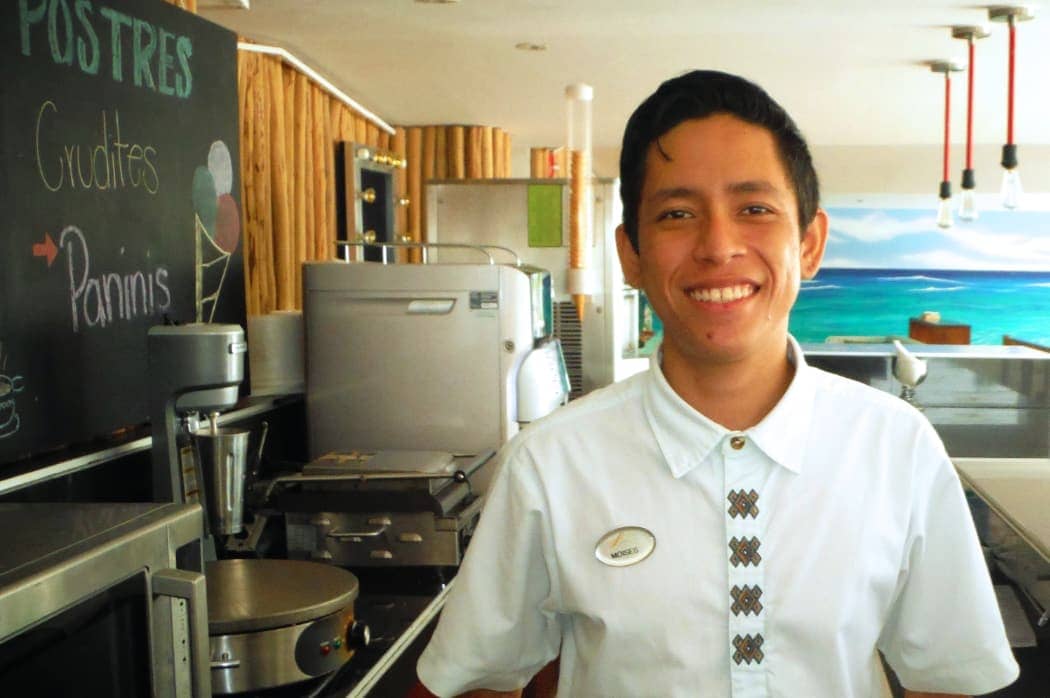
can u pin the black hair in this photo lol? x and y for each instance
(699, 94)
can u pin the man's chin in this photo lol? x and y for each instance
(720, 347)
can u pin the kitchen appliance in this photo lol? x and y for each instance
(221, 455)
(390, 508)
(106, 599)
(275, 353)
(270, 622)
(427, 356)
(532, 216)
(194, 368)
(278, 622)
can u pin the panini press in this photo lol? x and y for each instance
(385, 508)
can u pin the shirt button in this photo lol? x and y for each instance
(737, 442)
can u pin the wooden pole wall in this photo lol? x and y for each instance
(441, 154)
(279, 185)
(457, 153)
(188, 5)
(447, 152)
(400, 148)
(289, 131)
(288, 134)
(415, 183)
(547, 163)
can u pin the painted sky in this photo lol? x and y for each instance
(908, 238)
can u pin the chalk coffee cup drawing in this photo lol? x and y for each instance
(9, 420)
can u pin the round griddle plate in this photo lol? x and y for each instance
(252, 595)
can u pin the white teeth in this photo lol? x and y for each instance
(722, 295)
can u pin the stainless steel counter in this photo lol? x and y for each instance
(925, 351)
(1012, 516)
(1018, 490)
(984, 400)
(62, 467)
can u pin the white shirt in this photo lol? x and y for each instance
(785, 554)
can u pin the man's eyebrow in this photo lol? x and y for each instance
(753, 186)
(671, 193)
(749, 186)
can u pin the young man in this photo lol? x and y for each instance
(733, 522)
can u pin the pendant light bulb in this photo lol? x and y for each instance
(968, 198)
(944, 208)
(968, 205)
(1011, 190)
(944, 213)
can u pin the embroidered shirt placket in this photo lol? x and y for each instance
(745, 475)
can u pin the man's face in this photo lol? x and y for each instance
(719, 250)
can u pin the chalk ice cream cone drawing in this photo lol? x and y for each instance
(217, 223)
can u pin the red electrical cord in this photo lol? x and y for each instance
(947, 121)
(969, 112)
(1010, 89)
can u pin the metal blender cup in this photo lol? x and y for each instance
(222, 453)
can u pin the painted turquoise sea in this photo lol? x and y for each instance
(879, 302)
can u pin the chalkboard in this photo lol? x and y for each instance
(119, 185)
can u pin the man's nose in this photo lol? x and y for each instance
(718, 240)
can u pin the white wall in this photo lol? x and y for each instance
(871, 169)
(917, 169)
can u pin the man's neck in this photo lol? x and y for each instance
(736, 394)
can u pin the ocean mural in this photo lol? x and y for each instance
(886, 265)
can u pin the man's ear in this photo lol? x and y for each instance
(629, 261)
(814, 240)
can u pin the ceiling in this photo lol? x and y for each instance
(850, 72)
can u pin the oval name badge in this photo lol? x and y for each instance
(625, 546)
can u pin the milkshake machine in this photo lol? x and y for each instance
(270, 622)
(195, 369)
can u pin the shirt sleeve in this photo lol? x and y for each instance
(944, 632)
(498, 626)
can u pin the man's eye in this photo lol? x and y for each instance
(674, 214)
(756, 210)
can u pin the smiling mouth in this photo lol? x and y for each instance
(725, 294)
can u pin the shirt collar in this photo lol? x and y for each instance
(687, 437)
(783, 433)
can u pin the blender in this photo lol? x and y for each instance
(270, 622)
(197, 368)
